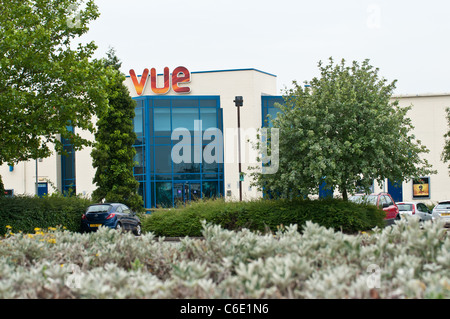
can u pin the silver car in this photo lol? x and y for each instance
(419, 210)
(442, 212)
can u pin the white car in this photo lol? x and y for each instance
(442, 212)
(419, 210)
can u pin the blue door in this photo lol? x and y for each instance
(395, 189)
(42, 189)
(324, 192)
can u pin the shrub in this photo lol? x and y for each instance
(25, 213)
(407, 260)
(263, 216)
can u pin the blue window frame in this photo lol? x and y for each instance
(68, 177)
(269, 106)
(165, 183)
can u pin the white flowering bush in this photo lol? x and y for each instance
(407, 260)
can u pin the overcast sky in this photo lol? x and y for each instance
(408, 40)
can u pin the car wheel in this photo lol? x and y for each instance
(138, 230)
(119, 227)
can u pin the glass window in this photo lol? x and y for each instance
(139, 160)
(210, 189)
(405, 207)
(163, 159)
(388, 200)
(184, 118)
(163, 140)
(163, 194)
(187, 177)
(421, 207)
(210, 167)
(98, 208)
(138, 122)
(445, 205)
(68, 164)
(141, 191)
(365, 199)
(190, 167)
(125, 209)
(208, 116)
(163, 177)
(159, 116)
(161, 102)
(195, 191)
(185, 102)
(208, 103)
(162, 121)
(270, 105)
(210, 177)
(68, 168)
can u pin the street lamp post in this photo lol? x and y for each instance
(37, 179)
(239, 102)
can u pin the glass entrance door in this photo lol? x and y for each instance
(186, 191)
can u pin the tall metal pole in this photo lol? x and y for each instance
(37, 180)
(239, 146)
(239, 101)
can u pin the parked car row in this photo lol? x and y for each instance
(383, 201)
(396, 211)
(119, 216)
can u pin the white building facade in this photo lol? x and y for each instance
(197, 103)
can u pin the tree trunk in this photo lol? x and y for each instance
(344, 193)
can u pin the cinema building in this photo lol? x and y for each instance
(182, 113)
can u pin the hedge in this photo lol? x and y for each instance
(262, 215)
(25, 213)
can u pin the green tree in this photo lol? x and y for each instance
(344, 130)
(446, 152)
(113, 152)
(45, 84)
(2, 188)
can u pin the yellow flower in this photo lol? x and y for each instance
(52, 229)
(8, 227)
(37, 229)
(51, 241)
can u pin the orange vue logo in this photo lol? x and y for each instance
(180, 77)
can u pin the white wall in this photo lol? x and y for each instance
(428, 116)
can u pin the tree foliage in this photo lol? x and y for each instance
(113, 153)
(344, 130)
(45, 84)
(446, 152)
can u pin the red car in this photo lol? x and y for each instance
(381, 200)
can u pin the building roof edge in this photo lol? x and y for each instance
(226, 70)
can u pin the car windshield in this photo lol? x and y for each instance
(98, 209)
(445, 205)
(405, 207)
(366, 199)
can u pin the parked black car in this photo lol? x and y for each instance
(113, 215)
